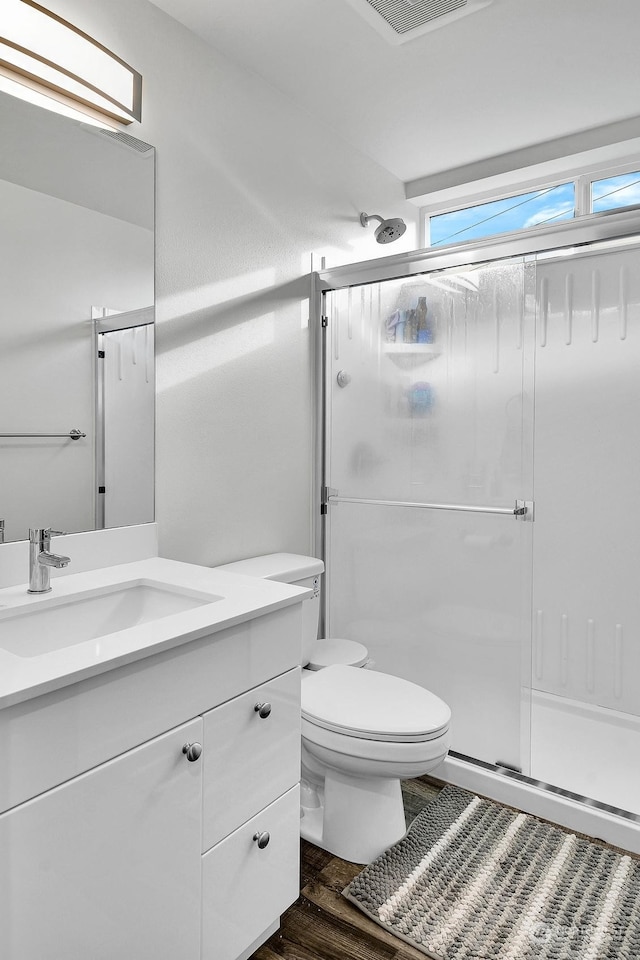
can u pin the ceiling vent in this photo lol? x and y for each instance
(402, 20)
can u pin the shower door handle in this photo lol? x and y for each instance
(522, 510)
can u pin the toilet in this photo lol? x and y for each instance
(362, 731)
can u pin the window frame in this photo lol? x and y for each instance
(582, 179)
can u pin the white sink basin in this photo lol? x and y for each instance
(56, 623)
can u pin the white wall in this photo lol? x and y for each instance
(57, 259)
(247, 188)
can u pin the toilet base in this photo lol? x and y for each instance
(360, 817)
(311, 824)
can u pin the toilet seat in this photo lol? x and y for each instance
(369, 705)
(357, 754)
(326, 653)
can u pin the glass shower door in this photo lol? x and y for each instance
(429, 446)
(586, 694)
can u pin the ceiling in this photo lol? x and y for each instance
(513, 74)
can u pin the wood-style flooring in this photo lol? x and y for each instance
(322, 924)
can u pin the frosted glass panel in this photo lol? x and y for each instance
(586, 676)
(430, 401)
(442, 417)
(440, 598)
(530, 631)
(129, 396)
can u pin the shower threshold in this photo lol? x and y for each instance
(580, 814)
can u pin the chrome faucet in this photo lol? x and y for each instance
(41, 560)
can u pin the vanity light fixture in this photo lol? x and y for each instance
(48, 61)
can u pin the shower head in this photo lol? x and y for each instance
(388, 231)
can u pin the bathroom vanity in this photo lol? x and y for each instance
(149, 797)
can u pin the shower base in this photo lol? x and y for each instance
(586, 749)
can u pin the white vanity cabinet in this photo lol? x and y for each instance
(251, 809)
(258, 749)
(107, 865)
(117, 845)
(245, 887)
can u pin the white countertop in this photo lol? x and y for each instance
(243, 598)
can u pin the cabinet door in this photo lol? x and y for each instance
(107, 865)
(246, 888)
(250, 760)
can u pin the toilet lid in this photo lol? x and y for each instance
(327, 652)
(372, 705)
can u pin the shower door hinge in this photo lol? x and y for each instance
(324, 321)
(100, 354)
(525, 510)
(326, 493)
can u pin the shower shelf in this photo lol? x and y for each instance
(411, 354)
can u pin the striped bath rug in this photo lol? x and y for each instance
(473, 880)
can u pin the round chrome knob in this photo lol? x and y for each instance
(262, 839)
(263, 710)
(192, 751)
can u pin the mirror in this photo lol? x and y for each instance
(76, 324)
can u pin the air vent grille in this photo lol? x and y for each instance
(406, 15)
(128, 141)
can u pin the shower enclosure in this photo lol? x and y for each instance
(481, 463)
(125, 416)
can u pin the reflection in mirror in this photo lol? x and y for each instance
(76, 324)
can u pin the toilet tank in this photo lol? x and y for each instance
(289, 568)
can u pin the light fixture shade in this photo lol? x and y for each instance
(40, 50)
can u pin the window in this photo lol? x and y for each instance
(614, 192)
(587, 193)
(504, 216)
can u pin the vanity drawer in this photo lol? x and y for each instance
(249, 759)
(52, 738)
(245, 888)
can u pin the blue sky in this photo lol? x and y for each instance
(500, 216)
(627, 192)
